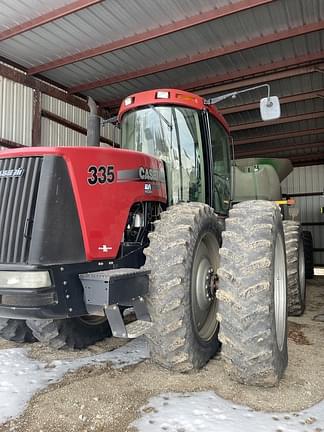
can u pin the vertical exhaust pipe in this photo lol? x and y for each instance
(93, 125)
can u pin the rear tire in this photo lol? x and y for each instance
(252, 298)
(75, 333)
(15, 330)
(183, 258)
(295, 268)
(308, 251)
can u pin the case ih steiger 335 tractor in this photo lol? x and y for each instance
(87, 232)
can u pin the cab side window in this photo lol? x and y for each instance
(221, 166)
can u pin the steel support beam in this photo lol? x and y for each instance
(191, 59)
(46, 18)
(265, 73)
(37, 119)
(283, 100)
(279, 149)
(310, 163)
(307, 157)
(281, 120)
(289, 66)
(34, 83)
(266, 138)
(157, 32)
(71, 125)
(9, 144)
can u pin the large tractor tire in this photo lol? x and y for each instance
(15, 330)
(308, 251)
(252, 294)
(295, 267)
(74, 333)
(183, 257)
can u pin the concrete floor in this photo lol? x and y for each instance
(101, 398)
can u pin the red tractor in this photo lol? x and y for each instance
(89, 232)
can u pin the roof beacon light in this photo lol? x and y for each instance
(128, 101)
(162, 95)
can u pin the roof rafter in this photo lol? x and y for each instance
(157, 32)
(281, 120)
(303, 63)
(262, 138)
(262, 71)
(47, 17)
(307, 157)
(191, 59)
(283, 100)
(278, 149)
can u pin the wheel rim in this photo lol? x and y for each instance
(301, 269)
(280, 292)
(203, 287)
(93, 320)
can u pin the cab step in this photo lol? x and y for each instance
(137, 328)
(108, 290)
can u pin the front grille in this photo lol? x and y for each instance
(19, 181)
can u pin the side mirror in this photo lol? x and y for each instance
(270, 108)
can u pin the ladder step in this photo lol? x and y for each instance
(138, 328)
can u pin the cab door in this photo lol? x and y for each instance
(221, 166)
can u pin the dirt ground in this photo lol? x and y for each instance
(100, 398)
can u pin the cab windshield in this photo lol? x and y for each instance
(171, 133)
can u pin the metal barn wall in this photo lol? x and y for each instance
(16, 118)
(54, 134)
(16, 112)
(309, 179)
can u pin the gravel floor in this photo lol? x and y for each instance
(100, 398)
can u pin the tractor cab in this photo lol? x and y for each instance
(191, 138)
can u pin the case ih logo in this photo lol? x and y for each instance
(150, 174)
(18, 172)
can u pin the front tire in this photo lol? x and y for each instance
(73, 333)
(183, 259)
(15, 330)
(253, 294)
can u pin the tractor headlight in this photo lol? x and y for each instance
(25, 280)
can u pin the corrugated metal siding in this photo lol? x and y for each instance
(305, 180)
(62, 109)
(16, 112)
(15, 12)
(54, 134)
(108, 21)
(72, 114)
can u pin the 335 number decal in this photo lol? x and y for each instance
(101, 174)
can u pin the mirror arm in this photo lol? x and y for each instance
(233, 95)
(111, 120)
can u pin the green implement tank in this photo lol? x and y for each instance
(259, 178)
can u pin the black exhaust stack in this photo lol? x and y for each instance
(93, 126)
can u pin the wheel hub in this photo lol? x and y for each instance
(211, 284)
(204, 286)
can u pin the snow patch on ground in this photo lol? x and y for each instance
(21, 377)
(205, 411)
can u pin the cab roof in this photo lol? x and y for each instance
(169, 97)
